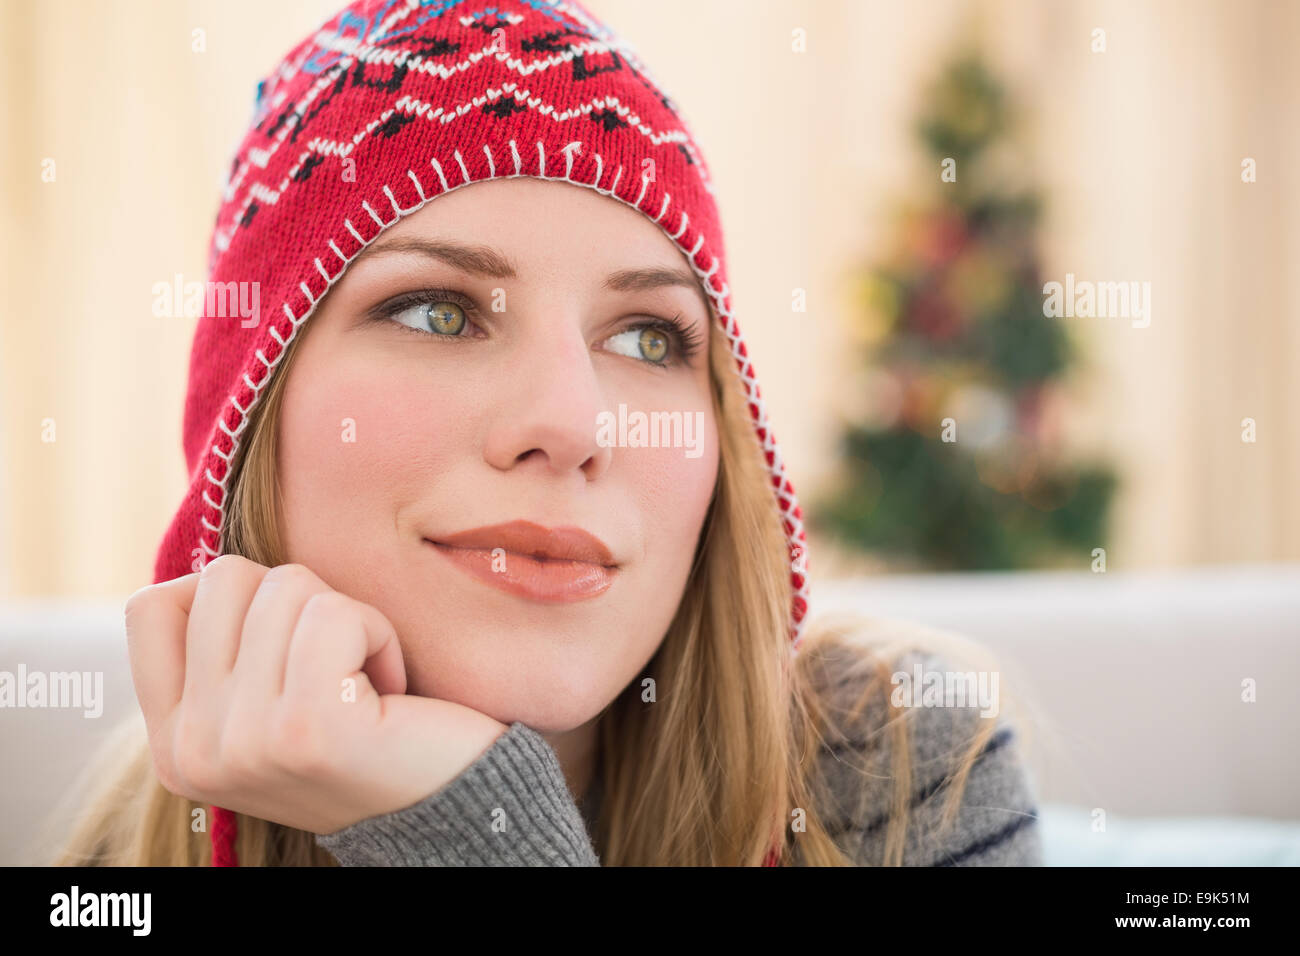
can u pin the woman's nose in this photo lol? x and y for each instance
(549, 400)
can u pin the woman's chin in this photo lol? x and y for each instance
(547, 702)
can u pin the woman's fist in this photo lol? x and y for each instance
(267, 692)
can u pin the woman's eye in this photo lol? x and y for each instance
(438, 317)
(445, 314)
(644, 342)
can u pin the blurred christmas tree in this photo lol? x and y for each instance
(960, 350)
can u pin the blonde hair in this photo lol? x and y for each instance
(706, 776)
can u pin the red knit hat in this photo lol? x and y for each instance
(417, 98)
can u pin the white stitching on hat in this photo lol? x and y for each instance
(373, 215)
(441, 178)
(418, 188)
(322, 270)
(396, 208)
(352, 229)
(568, 159)
(516, 155)
(685, 220)
(460, 159)
(492, 167)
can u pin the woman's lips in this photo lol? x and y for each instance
(535, 540)
(553, 581)
(488, 554)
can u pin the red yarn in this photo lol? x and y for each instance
(224, 831)
(388, 105)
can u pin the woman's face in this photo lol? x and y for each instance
(454, 379)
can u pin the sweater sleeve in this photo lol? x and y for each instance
(996, 818)
(510, 807)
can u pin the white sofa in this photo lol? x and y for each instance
(1131, 686)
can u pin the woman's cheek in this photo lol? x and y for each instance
(674, 489)
(357, 445)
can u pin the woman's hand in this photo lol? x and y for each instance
(267, 692)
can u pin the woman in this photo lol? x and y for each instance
(434, 596)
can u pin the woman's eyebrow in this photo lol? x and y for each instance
(476, 260)
(490, 263)
(638, 280)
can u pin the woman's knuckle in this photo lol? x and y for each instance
(309, 762)
(281, 574)
(290, 576)
(320, 603)
(299, 741)
(238, 749)
(224, 565)
(163, 768)
(330, 606)
(193, 769)
(237, 758)
(139, 603)
(191, 751)
(291, 732)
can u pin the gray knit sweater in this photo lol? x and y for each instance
(512, 807)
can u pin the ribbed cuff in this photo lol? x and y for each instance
(510, 807)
